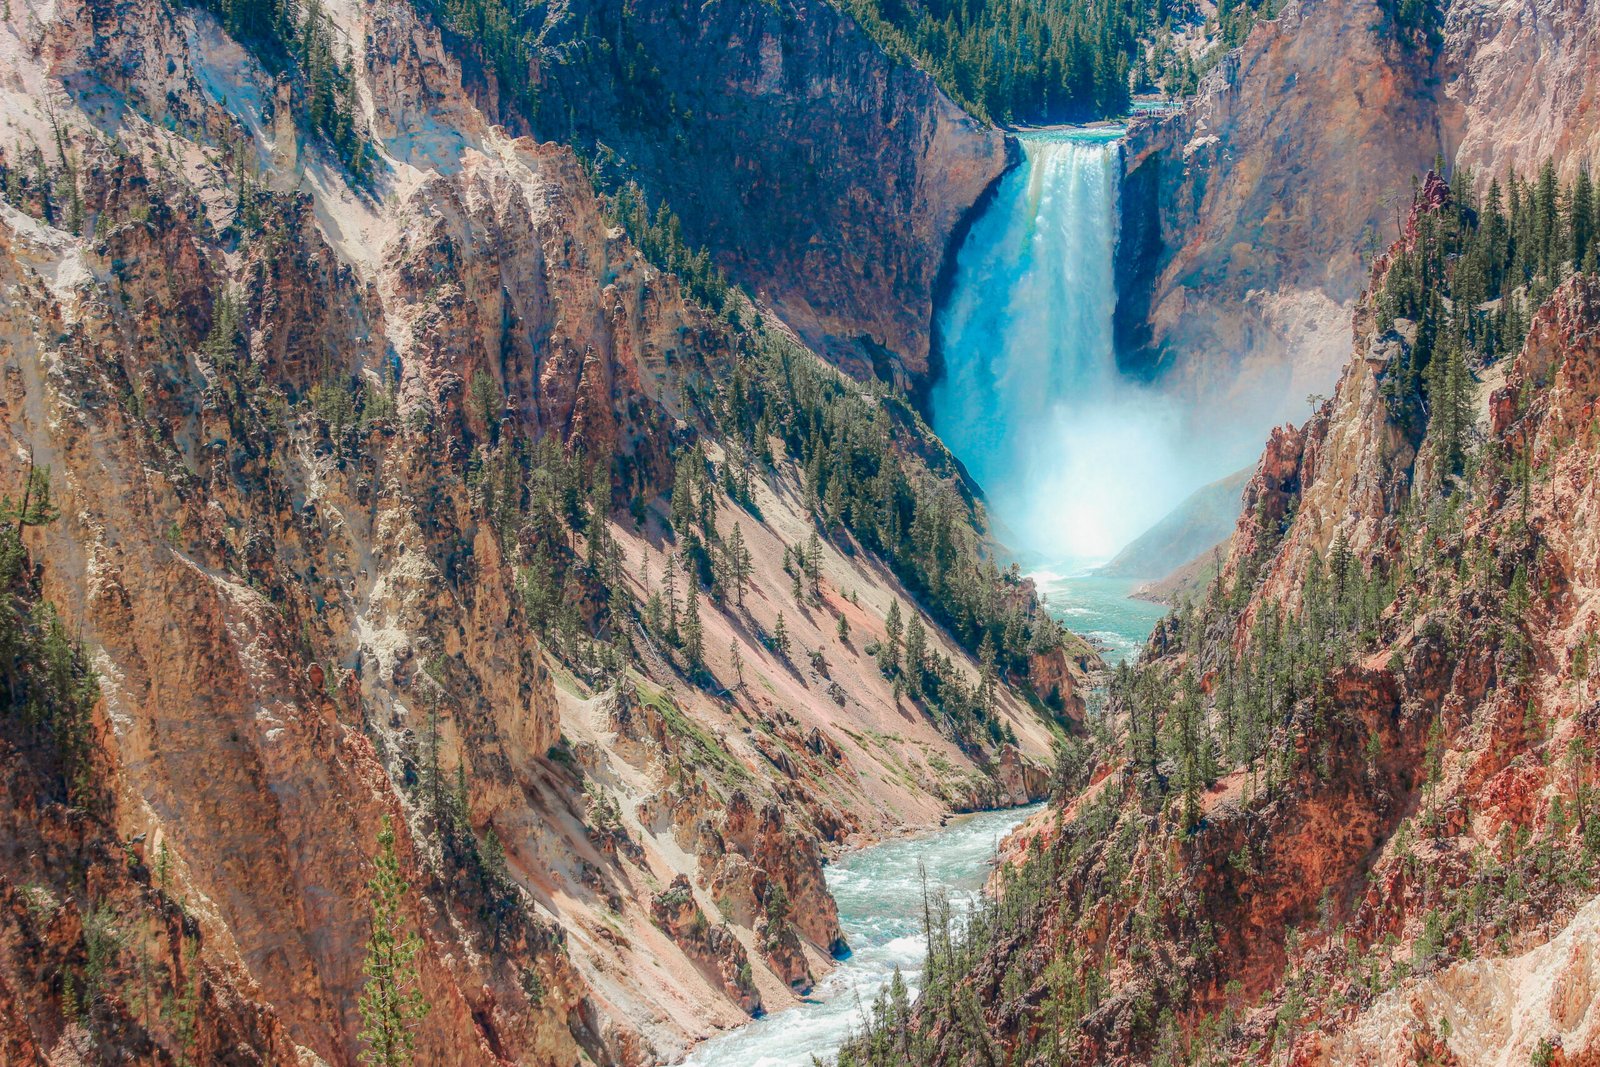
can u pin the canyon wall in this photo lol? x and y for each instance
(1247, 215)
(295, 426)
(1250, 218)
(1518, 87)
(824, 176)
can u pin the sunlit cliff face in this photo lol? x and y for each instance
(1074, 458)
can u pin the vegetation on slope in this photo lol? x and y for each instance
(1480, 266)
(49, 688)
(862, 472)
(1042, 61)
(1020, 60)
(659, 236)
(300, 41)
(96, 925)
(1023, 61)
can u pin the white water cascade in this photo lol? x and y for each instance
(1075, 459)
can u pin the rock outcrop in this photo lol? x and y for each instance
(1251, 217)
(715, 947)
(1246, 217)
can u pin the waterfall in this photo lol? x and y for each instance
(1074, 459)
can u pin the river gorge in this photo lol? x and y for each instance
(510, 512)
(1074, 460)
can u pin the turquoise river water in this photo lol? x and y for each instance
(879, 889)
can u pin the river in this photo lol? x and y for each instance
(879, 891)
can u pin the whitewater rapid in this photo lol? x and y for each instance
(1074, 458)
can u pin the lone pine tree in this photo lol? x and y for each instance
(392, 1001)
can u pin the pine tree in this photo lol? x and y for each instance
(1581, 217)
(682, 509)
(487, 401)
(739, 563)
(889, 651)
(813, 563)
(916, 653)
(392, 1001)
(780, 637)
(37, 507)
(669, 593)
(693, 635)
(1450, 413)
(986, 672)
(602, 550)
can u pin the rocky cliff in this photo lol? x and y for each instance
(1517, 85)
(362, 489)
(827, 178)
(1246, 216)
(1250, 218)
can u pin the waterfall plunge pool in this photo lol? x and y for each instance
(1074, 459)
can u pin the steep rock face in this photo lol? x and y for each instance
(1512, 770)
(1489, 785)
(59, 994)
(577, 341)
(1502, 1011)
(711, 946)
(1249, 218)
(827, 178)
(1244, 215)
(210, 590)
(1519, 85)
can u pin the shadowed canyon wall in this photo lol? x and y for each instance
(824, 177)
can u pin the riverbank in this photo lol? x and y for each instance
(879, 888)
(879, 891)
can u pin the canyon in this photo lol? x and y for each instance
(283, 413)
(377, 507)
(1341, 809)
